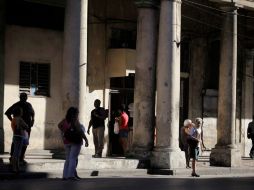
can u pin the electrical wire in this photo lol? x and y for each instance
(215, 27)
(220, 16)
(212, 8)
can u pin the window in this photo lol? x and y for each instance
(34, 78)
(121, 38)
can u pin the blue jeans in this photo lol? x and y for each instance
(71, 152)
(18, 144)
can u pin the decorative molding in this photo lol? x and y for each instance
(147, 3)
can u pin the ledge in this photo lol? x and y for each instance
(246, 4)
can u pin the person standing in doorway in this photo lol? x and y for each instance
(123, 120)
(98, 116)
(27, 116)
(250, 135)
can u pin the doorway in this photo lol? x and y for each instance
(121, 93)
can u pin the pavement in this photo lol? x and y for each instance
(44, 164)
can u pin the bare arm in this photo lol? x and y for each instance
(60, 124)
(8, 113)
(89, 126)
(86, 140)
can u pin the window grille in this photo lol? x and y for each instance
(34, 78)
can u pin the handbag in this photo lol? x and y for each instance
(116, 127)
(73, 135)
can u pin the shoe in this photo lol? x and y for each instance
(64, 179)
(188, 167)
(73, 179)
(96, 156)
(23, 162)
(251, 156)
(195, 175)
(76, 176)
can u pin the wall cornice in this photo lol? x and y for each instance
(147, 3)
(246, 4)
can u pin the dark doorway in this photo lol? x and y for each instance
(184, 103)
(121, 92)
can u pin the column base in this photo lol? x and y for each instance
(165, 158)
(225, 156)
(141, 153)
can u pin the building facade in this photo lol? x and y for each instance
(190, 58)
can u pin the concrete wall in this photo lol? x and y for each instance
(35, 45)
(120, 62)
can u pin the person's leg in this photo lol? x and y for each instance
(74, 152)
(17, 141)
(95, 140)
(252, 149)
(193, 166)
(100, 140)
(66, 163)
(195, 158)
(187, 155)
(76, 173)
(23, 151)
(12, 150)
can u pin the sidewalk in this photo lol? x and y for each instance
(43, 165)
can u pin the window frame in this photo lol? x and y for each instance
(34, 78)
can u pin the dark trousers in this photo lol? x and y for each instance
(252, 148)
(23, 151)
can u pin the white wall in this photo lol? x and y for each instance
(35, 45)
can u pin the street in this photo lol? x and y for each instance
(116, 183)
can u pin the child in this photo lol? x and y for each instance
(18, 127)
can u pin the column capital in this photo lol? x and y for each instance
(147, 3)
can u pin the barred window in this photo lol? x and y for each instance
(34, 78)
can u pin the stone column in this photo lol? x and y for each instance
(167, 154)
(144, 97)
(71, 52)
(2, 36)
(83, 62)
(225, 152)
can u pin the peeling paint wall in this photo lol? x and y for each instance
(40, 46)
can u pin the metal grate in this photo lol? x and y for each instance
(34, 78)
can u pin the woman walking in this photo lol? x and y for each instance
(73, 136)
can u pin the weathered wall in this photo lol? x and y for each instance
(35, 45)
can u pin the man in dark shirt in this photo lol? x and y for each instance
(98, 115)
(27, 116)
(250, 135)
